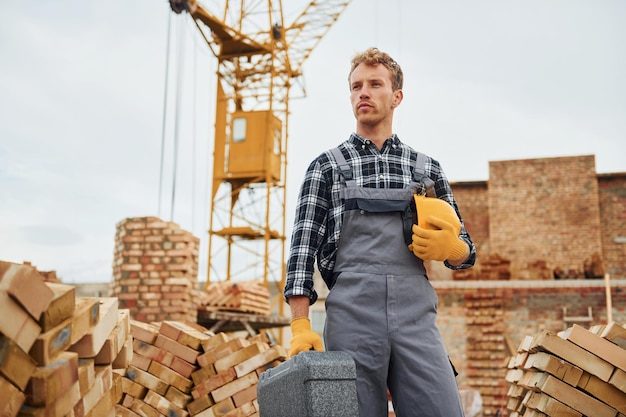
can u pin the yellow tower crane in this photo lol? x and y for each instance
(260, 60)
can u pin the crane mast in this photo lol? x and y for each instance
(260, 58)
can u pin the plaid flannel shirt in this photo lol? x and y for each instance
(319, 211)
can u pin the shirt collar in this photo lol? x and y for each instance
(357, 140)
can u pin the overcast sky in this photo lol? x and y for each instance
(82, 90)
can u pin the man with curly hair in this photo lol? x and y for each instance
(365, 214)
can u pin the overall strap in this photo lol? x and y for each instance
(345, 169)
(419, 175)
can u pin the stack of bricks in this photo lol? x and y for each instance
(155, 270)
(486, 347)
(73, 344)
(489, 268)
(246, 297)
(538, 270)
(577, 372)
(181, 369)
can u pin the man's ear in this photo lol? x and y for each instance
(398, 95)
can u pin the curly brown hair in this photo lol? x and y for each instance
(374, 56)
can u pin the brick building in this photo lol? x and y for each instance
(557, 212)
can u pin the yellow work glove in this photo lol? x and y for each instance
(439, 244)
(303, 338)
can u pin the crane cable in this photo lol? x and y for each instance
(179, 88)
(193, 142)
(167, 70)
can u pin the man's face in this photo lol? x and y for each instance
(372, 97)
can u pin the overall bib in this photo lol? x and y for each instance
(382, 308)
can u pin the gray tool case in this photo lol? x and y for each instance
(311, 384)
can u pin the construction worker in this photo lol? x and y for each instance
(350, 219)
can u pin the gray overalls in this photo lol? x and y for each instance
(382, 308)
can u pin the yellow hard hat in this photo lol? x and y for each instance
(432, 206)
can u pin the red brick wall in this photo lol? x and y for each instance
(552, 210)
(612, 189)
(544, 210)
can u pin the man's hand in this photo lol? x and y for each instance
(303, 338)
(440, 244)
